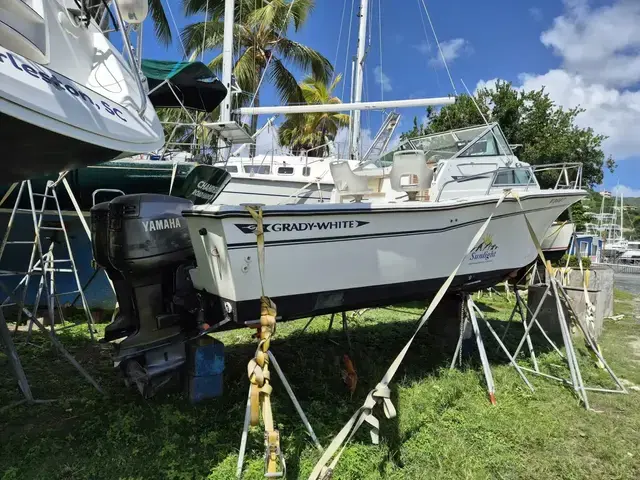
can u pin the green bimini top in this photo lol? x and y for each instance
(191, 84)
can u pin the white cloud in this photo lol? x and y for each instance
(451, 49)
(535, 13)
(611, 112)
(490, 84)
(600, 51)
(600, 44)
(626, 191)
(423, 47)
(382, 79)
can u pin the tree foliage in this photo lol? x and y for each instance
(261, 46)
(547, 132)
(301, 132)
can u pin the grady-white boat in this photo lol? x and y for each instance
(68, 98)
(399, 240)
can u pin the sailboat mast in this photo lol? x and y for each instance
(359, 79)
(621, 215)
(227, 59)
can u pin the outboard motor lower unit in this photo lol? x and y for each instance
(143, 244)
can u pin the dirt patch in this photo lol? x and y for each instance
(635, 345)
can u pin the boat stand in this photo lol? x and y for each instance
(563, 305)
(469, 321)
(345, 327)
(41, 263)
(247, 415)
(6, 344)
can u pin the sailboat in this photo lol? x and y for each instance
(68, 97)
(274, 177)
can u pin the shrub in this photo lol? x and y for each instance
(573, 261)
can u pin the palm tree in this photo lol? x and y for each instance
(312, 131)
(261, 46)
(160, 21)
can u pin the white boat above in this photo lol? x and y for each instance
(68, 98)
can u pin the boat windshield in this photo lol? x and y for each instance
(483, 140)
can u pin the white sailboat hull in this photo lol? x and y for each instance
(335, 257)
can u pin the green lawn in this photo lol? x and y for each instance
(445, 427)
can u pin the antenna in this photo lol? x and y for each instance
(474, 102)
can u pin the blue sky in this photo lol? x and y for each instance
(584, 52)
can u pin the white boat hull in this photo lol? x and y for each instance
(337, 257)
(77, 104)
(557, 239)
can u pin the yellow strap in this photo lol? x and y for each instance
(256, 213)
(258, 367)
(6, 195)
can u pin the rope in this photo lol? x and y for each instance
(335, 59)
(175, 25)
(382, 393)
(204, 33)
(380, 47)
(258, 367)
(346, 53)
(444, 60)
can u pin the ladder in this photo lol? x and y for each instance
(383, 137)
(42, 263)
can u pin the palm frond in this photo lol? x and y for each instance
(305, 58)
(285, 83)
(193, 34)
(160, 22)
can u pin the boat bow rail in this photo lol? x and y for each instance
(569, 176)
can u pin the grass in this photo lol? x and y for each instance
(445, 426)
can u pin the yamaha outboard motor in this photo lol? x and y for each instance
(125, 322)
(148, 245)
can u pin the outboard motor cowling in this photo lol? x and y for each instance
(147, 232)
(125, 322)
(148, 247)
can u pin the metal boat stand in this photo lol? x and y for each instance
(43, 263)
(345, 327)
(564, 307)
(469, 327)
(6, 344)
(247, 414)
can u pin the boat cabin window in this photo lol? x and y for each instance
(483, 147)
(231, 168)
(285, 170)
(263, 169)
(306, 171)
(516, 176)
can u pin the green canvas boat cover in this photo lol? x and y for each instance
(192, 84)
